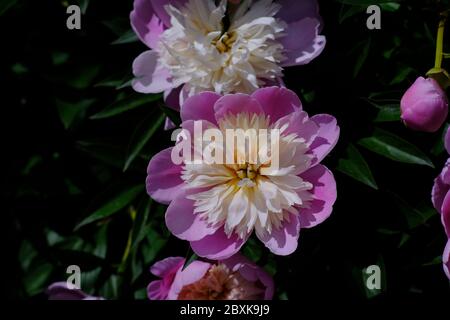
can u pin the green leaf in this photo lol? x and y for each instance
(416, 215)
(37, 278)
(126, 104)
(127, 37)
(395, 148)
(388, 113)
(69, 112)
(356, 167)
(141, 136)
(362, 57)
(138, 233)
(5, 5)
(112, 207)
(191, 259)
(173, 115)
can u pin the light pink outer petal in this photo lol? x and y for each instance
(158, 6)
(446, 259)
(277, 102)
(284, 240)
(60, 291)
(441, 187)
(445, 214)
(183, 222)
(192, 273)
(300, 124)
(302, 43)
(327, 136)
(235, 104)
(447, 140)
(155, 291)
(150, 76)
(163, 267)
(324, 195)
(164, 181)
(251, 272)
(292, 11)
(145, 23)
(200, 107)
(218, 245)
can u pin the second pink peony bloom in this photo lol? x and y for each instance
(217, 207)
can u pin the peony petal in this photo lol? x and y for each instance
(441, 187)
(145, 23)
(200, 107)
(447, 140)
(164, 181)
(158, 6)
(235, 104)
(446, 259)
(192, 273)
(277, 102)
(183, 222)
(60, 291)
(251, 272)
(300, 124)
(150, 76)
(327, 136)
(302, 43)
(172, 98)
(284, 240)
(445, 216)
(163, 267)
(154, 291)
(291, 12)
(218, 245)
(324, 195)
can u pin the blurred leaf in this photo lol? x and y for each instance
(107, 153)
(390, 6)
(129, 103)
(436, 261)
(127, 37)
(401, 75)
(388, 113)
(356, 167)
(69, 112)
(110, 289)
(83, 76)
(404, 239)
(141, 136)
(26, 255)
(87, 261)
(112, 207)
(362, 56)
(37, 278)
(153, 245)
(371, 293)
(395, 148)
(5, 5)
(173, 115)
(439, 146)
(83, 5)
(415, 216)
(60, 58)
(139, 231)
(349, 11)
(252, 250)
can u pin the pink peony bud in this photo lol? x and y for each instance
(424, 106)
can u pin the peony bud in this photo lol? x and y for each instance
(424, 106)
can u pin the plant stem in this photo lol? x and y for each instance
(440, 41)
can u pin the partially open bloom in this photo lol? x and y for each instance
(441, 201)
(60, 291)
(424, 106)
(218, 206)
(235, 278)
(206, 45)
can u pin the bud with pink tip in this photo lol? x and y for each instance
(424, 106)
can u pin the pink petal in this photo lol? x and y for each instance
(327, 136)
(235, 104)
(172, 98)
(183, 222)
(155, 291)
(164, 181)
(445, 217)
(291, 12)
(446, 259)
(277, 102)
(218, 245)
(324, 194)
(163, 267)
(251, 272)
(284, 240)
(200, 107)
(158, 6)
(302, 43)
(300, 124)
(447, 140)
(192, 273)
(441, 187)
(145, 23)
(150, 76)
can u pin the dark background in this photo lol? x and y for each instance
(71, 123)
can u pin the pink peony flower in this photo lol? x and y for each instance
(60, 291)
(216, 207)
(424, 106)
(235, 278)
(440, 197)
(192, 52)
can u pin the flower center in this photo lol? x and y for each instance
(220, 283)
(224, 42)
